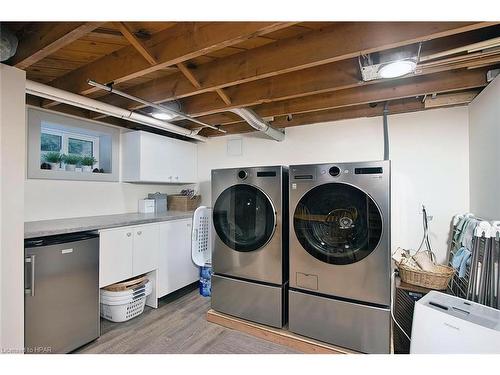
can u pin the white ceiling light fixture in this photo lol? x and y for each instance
(163, 116)
(397, 68)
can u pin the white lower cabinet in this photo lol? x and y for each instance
(176, 268)
(127, 252)
(116, 248)
(146, 248)
(164, 248)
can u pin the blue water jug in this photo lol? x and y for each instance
(206, 281)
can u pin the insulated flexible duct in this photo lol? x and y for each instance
(256, 122)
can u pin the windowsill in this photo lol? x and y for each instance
(48, 174)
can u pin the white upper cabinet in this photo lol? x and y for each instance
(148, 157)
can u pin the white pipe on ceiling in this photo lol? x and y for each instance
(62, 96)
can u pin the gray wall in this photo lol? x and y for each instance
(484, 150)
(12, 162)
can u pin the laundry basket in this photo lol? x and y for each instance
(438, 279)
(123, 303)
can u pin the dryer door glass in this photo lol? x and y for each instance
(244, 218)
(337, 223)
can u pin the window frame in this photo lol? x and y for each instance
(66, 135)
(107, 135)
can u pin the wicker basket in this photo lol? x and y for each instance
(183, 203)
(430, 280)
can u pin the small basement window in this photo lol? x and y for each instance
(67, 147)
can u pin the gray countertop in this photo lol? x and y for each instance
(43, 228)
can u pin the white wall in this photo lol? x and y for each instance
(54, 199)
(12, 167)
(484, 146)
(429, 153)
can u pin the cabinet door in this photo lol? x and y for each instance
(156, 163)
(145, 254)
(184, 167)
(115, 255)
(176, 268)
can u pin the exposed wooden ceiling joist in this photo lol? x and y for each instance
(338, 42)
(455, 98)
(397, 106)
(136, 43)
(179, 43)
(409, 87)
(194, 81)
(47, 38)
(406, 88)
(350, 98)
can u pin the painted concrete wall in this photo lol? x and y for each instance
(484, 149)
(429, 153)
(12, 167)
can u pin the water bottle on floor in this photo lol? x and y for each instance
(206, 281)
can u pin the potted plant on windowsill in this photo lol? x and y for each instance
(88, 163)
(54, 160)
(71, 161)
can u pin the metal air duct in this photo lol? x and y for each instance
(256, 122)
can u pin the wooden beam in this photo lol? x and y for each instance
(191, 78)
(189, 75)
(326, 80)
(179, 43)
(225, 98)
(409, 87)
(309, 50)
(136, 43)
(47, 38)
(444, 100)
(361, 111)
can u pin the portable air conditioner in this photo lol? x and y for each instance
(444, 324)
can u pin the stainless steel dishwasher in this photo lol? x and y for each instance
(61, 292)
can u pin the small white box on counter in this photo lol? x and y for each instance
(146, 206)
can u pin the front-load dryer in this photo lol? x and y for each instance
(250, 255)
(340, 263)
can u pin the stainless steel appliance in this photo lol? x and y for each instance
(250, 218)
(61, 292)
(340, 264)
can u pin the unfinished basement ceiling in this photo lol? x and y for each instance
(288, 72)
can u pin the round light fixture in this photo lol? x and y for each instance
(163, 115)
(397, 68)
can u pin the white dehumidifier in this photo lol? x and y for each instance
(444, 324)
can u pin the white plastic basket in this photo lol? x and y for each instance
(125, 305)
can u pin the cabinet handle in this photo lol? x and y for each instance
(31, 260)
(139, 233)
(129, 234)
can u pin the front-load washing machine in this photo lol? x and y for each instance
(250, 255)
(340, 261)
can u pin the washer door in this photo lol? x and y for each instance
(337, 223)
(244, 218)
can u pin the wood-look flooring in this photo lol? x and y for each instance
(178, 326)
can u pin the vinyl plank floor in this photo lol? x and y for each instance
(178, 326)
